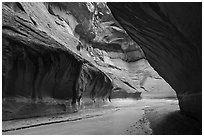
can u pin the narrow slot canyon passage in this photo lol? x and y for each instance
(101, 68)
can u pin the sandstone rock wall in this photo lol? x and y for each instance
(41, 72)
(55, 54)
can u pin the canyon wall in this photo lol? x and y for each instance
(49, 66)
(170, 34)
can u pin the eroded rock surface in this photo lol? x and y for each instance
(55, 54)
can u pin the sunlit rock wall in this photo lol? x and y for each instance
(41, 65)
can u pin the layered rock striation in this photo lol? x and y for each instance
(53, 58)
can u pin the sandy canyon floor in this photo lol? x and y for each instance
(119, 117)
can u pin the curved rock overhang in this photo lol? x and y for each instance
(170, 34)
(43, 70)
(42, 66)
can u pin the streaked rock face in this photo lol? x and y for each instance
(170, 36)
(39, 64)
(43, 70)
